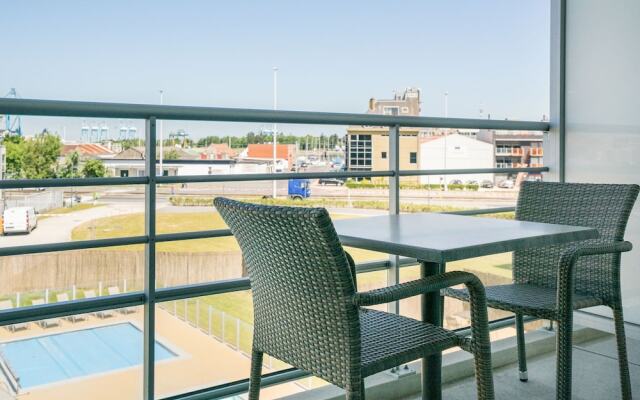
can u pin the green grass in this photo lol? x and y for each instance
(77, 207)
(133, 225)
(238, 304)
(67, 210)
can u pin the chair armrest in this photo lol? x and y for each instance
(352, 268)
(566, 270)
(417, 287)
(595, 249)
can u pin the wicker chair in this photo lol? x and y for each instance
(309, 315)
(551, 282)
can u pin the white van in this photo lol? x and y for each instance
(19, 220)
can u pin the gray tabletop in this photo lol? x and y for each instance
(444, 237)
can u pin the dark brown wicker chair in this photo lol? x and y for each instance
(309, 315)
(551, 282)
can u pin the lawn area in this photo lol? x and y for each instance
(133, 225)
(238, 304)
(67, 210)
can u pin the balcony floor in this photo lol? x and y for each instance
(595, 375)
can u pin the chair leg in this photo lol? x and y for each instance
(564, 343)
(522, 353)
(356, 394)
(484, 375)
(256, 373)
(625, 380)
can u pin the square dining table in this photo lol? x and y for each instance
(435, 239)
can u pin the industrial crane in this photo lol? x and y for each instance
(12, 123)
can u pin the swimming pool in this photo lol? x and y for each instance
(58, 357)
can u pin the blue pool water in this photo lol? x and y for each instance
(53, 358)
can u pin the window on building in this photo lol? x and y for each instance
(391, 110)
(413, 157)
(384, 154)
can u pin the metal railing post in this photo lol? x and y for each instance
(393, 273)
(186, 310)
(150, 261)
(210, 311)
(238, 333)
(197, 313)
(223, 326)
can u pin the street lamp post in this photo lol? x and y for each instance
(446, 115)
(161, 136)
(275, 127)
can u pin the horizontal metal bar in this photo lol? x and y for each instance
(68, 182)
(66, 246)
(372, 266)
(65, 308)
(482, 211)
(169, 237)
(185, 113)
(422, 172)
(496, 324)
(202, 289)
(270, 177)
(227, 390)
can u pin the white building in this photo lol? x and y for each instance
(454, 151)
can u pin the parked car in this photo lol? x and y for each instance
(331, 181)
(486, 184)
(472, 182)
(19, 220)
(507, 184)
(455, 182)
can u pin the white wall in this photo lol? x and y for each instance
(462, 152)
(603, 111)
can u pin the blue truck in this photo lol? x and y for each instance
(299, 189)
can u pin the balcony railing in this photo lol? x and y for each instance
(151, 295)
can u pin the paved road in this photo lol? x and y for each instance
(58, 228)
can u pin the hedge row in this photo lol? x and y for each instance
(351, 184)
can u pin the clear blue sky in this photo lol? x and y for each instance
(332, 55)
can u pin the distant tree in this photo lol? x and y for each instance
(129, 143)
(14, 146)
(94, 169)
(70, 167)
(171, 155)
(40, 156)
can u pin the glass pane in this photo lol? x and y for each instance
(95, 355)
(212, 335)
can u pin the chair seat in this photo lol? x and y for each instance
(526, 299)
(389, 340)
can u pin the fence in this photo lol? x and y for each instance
(41, 201)
(31, 272)
(225, 328)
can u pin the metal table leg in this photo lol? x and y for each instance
(432, 313)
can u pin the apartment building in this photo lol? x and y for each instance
(367, 147)
(515, 149)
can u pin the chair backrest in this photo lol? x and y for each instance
(603, 206)
(301, 284)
